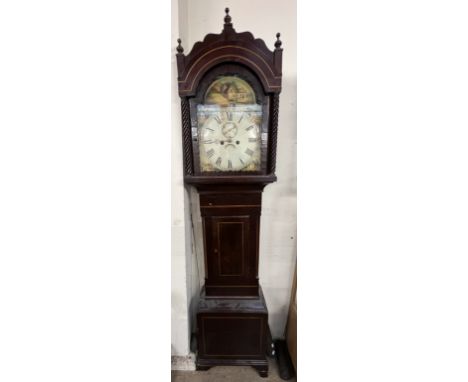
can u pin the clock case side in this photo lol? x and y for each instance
(250, 55)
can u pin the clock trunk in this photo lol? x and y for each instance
(231, 224)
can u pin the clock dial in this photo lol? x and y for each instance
(229, 137)
(229, 127)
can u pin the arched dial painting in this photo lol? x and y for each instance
(229, 86)
(232, 133)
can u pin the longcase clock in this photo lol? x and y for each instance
(229, 86)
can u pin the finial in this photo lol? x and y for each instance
(278, 41)
(227, 18)
(179, 47)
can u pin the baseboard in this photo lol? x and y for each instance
(180, 362)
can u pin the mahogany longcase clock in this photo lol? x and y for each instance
(229, 86)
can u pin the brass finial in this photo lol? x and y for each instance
(278, 41)
(179, 47)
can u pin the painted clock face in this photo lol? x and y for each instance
(229, 127)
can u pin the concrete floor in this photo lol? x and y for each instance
(229, 374)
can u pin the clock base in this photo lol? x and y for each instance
(260, 366)
(232, 332)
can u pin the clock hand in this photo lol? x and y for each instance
(227, 131)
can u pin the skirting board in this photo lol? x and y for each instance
(179, 362)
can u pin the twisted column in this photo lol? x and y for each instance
(273, 134)
(186, 137)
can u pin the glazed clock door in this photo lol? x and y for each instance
(230, 123)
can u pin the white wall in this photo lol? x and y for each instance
(264, 18)
(180, 218)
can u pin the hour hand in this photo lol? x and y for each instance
(210, 141)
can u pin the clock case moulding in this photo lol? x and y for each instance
(232, 316)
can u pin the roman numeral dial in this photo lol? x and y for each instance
(229, 137)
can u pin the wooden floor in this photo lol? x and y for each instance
(229, 374)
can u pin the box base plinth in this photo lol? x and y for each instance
(232, 332)
(260, 366)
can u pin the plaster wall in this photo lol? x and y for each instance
(180, 216)
(264, 18)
